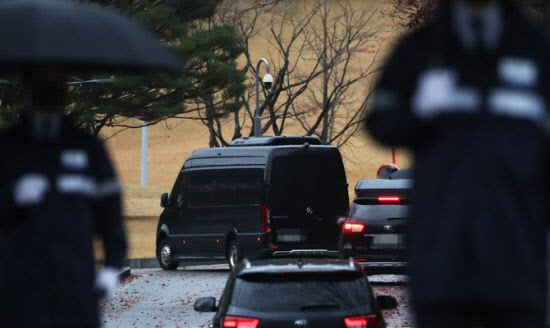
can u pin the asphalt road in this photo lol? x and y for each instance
(156, 298)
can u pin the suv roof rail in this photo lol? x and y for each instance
(299, 253)
(378, 184)
(304, 265)
(276, 141)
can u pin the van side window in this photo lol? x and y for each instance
(225, 187)
(181, 189)
(250, 190)
(178, 194)
(238, 187)
(200, 188)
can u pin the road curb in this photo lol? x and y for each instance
(143, 263)
(153, 263)
(139, 263)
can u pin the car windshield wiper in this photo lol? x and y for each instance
(319, 307)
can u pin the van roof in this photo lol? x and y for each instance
(276, 141)
(229, 156)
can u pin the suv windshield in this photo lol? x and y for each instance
(288, 292)
(364, 210)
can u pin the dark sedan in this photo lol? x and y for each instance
(297, 293)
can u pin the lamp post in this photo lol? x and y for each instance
(267, 82)
(144, 156)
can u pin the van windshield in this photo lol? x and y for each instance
(315, 178)
(314, 292)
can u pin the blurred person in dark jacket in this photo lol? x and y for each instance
(58, 188)
(469, 94)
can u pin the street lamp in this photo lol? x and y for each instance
(144, 180)
(267, 82)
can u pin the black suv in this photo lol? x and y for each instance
(374, 233)
(257, 198)
(297, 293)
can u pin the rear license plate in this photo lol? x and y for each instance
(387, 240)
(290, 235)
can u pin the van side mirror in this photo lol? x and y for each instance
(206, 304)
(164, 200)
(386, 302)
(341, 220)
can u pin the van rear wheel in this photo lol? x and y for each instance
(165, 256)
(234, 254)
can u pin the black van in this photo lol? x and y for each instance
(253, 201)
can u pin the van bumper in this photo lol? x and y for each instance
(374, 267)
(296, 249)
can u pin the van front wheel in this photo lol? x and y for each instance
(165, 256)
(234, 254)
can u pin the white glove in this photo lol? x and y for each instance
(30, 189)
(107, 282)
(437, 92)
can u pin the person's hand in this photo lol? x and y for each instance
(437, 92)
(107, 282)
(30, 189)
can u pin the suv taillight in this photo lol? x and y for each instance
(240, 322)
(353, 227)
(364, 321)
(389, 199)
(266, 223)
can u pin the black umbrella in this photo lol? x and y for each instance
(82, 37)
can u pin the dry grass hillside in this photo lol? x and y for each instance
(170, 143)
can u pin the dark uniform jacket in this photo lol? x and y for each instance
(479, 225)
(47, 267)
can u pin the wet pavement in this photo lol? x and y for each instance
(157, 298)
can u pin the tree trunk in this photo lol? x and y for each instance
(237, 126)
(324, 130)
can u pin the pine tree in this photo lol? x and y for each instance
(209, 53)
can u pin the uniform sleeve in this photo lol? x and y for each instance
(390, 119)
(7, 206)
(8, 210)
(107, 208)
